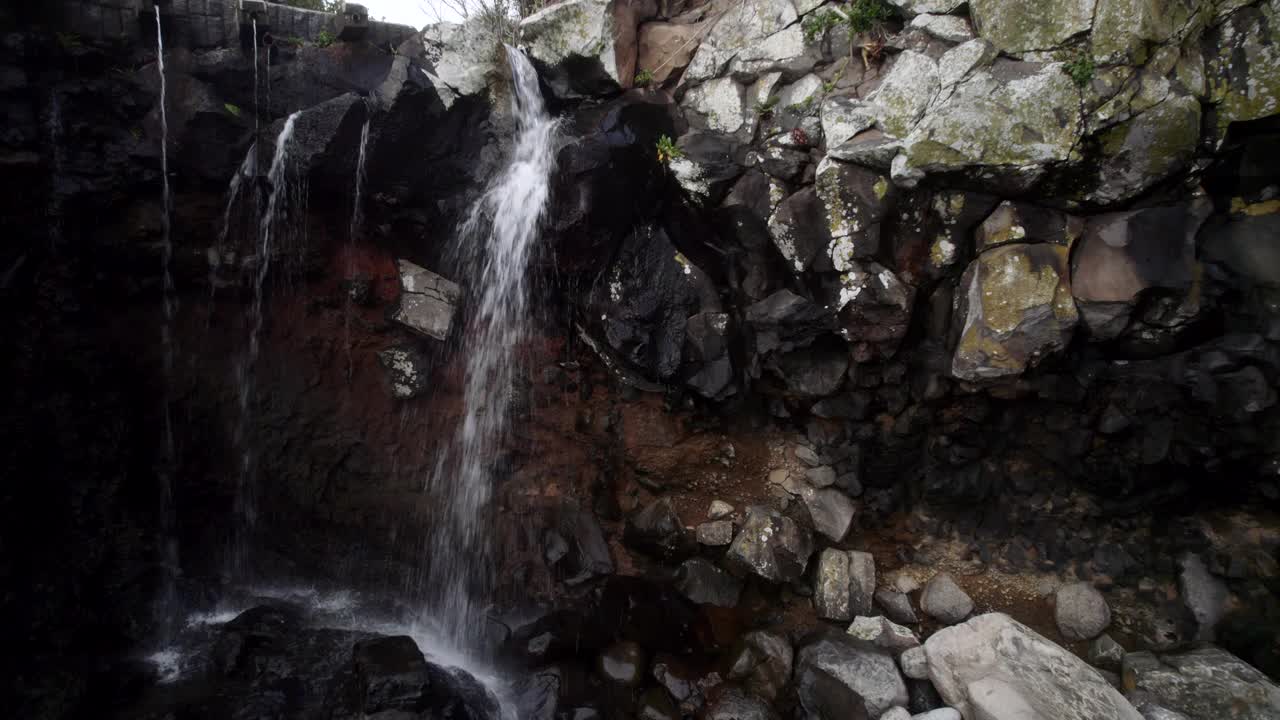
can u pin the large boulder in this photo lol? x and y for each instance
(770, 546)
(995, 668)
(645, 299)
(1080, 611)
(753, 37)
(1204, 683)
(462, 57)
(837, 678)
(1123, 255)
(577, 43)
(1013, 307)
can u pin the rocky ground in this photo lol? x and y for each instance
(928, 370)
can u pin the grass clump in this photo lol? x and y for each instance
(668, 150)
(643, 78)
(324, 39)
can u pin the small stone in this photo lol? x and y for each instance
(704, 583)
(896, 606)
(719, 510)
(715, 534)
(1106, 653)
(831, 586)
(1204, 595)
(622, 664)
(830, 510)
(1080, 611)
(883, 633)
(807, 456)
(820, 477)
(906, 584)
(945, 601)
(915, 663)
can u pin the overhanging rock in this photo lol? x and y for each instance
(428, 302)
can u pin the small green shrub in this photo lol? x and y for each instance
(233, 109)
(644, 77)
(667, 149)
(1081, 70)
(324, 39)
(859, 16)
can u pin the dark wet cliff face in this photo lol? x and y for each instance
(1024, 371)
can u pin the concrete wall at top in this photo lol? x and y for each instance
(198, 24)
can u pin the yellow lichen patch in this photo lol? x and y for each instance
(1011, 286)
(976, 348)
(1240, 207)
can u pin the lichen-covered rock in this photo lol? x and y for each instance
(428, 302)
(723, 105)
(770, 546)
(1006, 123)
(1014, 307)
(1122, 255)
(843, 118)
(1206, 682)
(906, 91)
(995, 668)
(855, 200)
(1123, 30)
(1142, 151)
(951, 28)
(575, 32)
(708, 165)
(883, 633)
(461, 55)
(408, 371)
(1244, 72)
(1017, 27)
(753, 36)
(845, 584)
(800, 233)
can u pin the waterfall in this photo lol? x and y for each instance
(279, 182)
(168, 461)
(357, 217)
(494, 248)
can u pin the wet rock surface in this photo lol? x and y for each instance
(988, 317)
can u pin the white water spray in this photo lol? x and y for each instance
(246, 506)
(357, 217)
(495, 245)
(168, 462)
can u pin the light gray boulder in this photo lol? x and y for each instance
(944, 600)
(428, 302)
(995, 668)
(837, 679)
(1080, 611)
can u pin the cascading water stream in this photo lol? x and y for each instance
(357, 217)
(495, 244)
(278, 180)
(168, 531)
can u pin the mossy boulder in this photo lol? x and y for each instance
(575, 42)
(1017, 26)
(1014, 307)
(1243, 72)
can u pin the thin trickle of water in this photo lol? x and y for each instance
(357, 216)
(57, 151)
(495, 244)
(168, 461)
(278, 180)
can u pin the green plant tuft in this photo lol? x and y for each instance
(324, 39)
(644, 77)
(766, 107)
(1081, 70)
(667, 149)
(232, 108)
(859, 16)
